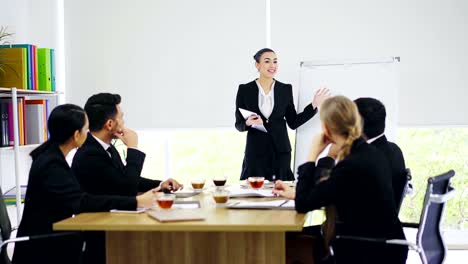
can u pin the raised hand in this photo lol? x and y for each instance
(321, 95)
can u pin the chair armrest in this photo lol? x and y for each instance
(403, 242)
(26, 238)
(363, 239)
(398, 242)
(411, 225)
(442, 198)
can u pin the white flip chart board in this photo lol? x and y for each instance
(377, 78)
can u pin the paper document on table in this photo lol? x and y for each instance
(137, 211)
(178, 215)
(238, 192)
(246, 114)
(290, 204)
(186, 204)
(275, 204)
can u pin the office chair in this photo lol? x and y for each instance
(429, 242)
(6, 229)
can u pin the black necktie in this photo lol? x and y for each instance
(115, 156)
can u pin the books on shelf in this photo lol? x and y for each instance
(36, 119)
(27, 67)
(32, 121)
(15, 68)
(10, 196)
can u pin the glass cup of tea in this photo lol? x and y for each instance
(166, 200)
(256, 182)
(219, 181)
(221, 196)
(198, 184)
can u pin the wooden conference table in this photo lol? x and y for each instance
(225, 236)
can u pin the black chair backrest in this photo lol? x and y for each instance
(429, 233)
(404, 188)
(5, 228)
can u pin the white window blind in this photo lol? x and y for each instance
(431, 37)
(176, 63)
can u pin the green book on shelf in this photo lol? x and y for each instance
(45, 69)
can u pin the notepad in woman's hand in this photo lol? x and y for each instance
(246, 114)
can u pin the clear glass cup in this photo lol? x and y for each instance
(165, 200)
(256, 182)
(221, 196)
(219, 181)
(198, 184)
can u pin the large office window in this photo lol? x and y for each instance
(183, 154)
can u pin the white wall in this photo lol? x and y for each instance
(32, 22)
(176, 63)
(431, 36)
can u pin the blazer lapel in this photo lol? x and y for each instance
(99, 149)
(253, 99)
(277, 97)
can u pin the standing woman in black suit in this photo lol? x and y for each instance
(269, 153)
(54, 194)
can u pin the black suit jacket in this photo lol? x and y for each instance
(397, 166)
(359, 186)
(283, 112)
(98, 174)
(54, 194)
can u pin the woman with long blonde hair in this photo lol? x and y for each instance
(358, 186)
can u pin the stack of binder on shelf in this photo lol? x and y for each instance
(27, 67)
(10, 196)
(32, 121)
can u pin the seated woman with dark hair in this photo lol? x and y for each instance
(54, 194)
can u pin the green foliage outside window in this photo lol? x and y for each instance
(428, 152)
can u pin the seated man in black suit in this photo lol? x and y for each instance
(374, 114)
(98, 167)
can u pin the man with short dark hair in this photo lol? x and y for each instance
(373, 114)
(99, 168)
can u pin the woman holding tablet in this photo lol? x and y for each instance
(263, 107)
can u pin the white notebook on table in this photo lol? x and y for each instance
(276, 204)
(240, 192)
(178, 215)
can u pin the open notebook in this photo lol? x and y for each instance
(276, 204)
(178, 215)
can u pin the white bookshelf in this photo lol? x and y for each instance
(21, 161)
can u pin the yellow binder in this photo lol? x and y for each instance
(15, 68)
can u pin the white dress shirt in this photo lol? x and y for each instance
(375, 138)
(103, 144)
(266, 102)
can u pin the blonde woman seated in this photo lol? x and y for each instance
(359, 186)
